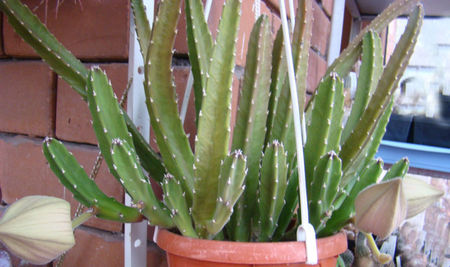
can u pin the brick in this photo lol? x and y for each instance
(180, 45)
(328, 6)
(275, 4)
(276, 23)
(246, 23)
(90, 29)
(245, 28)
(317, 68)
(72, 113)
(24, 171)
(96, 248)
(321, 30)
(1, 36)
(27, 102)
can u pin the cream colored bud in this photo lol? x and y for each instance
(419, 195)
(37, 228)
(381, 208)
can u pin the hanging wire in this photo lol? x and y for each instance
(305, 231)
(190, 82)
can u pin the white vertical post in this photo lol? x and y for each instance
(337, 22)
(135, 240)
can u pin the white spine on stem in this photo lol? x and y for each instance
(305, 232)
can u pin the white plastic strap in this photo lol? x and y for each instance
(257, 8)
(190, 82)
(305, 232)
(155, 234)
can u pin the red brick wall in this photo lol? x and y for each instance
(35, 103)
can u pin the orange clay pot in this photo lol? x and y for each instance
(190, 252)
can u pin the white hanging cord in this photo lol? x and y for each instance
(257, 8)
(305, 231)
(292, 14)
(190, 82)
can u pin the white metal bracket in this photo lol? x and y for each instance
(135, 240)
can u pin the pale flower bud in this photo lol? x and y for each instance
(381, 208)
(419, 195)
(37, 228)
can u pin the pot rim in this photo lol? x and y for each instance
(248, 252)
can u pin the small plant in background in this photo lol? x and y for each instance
(248, 193)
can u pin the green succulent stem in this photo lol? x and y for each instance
(84, 217)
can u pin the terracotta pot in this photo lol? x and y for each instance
(189, 252)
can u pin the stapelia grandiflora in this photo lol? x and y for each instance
(419, 195)
(37, 228)
(381, 208)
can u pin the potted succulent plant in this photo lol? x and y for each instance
(241, 187)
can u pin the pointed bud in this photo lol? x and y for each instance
(37, 228)
(381, 208)
(419, 195)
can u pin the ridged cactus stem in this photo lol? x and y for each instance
(161, 98)
(213, 131)
(341, 215)
(174, 198)
(369, 74)
(231, 186)
(107, 116)
(383, 94)
(200, 45)
(324, 187)
(250, 128)
(343, 64)
(142, 26)
(325, 127)
(271, 190)
(137, 185)
(84, 190)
